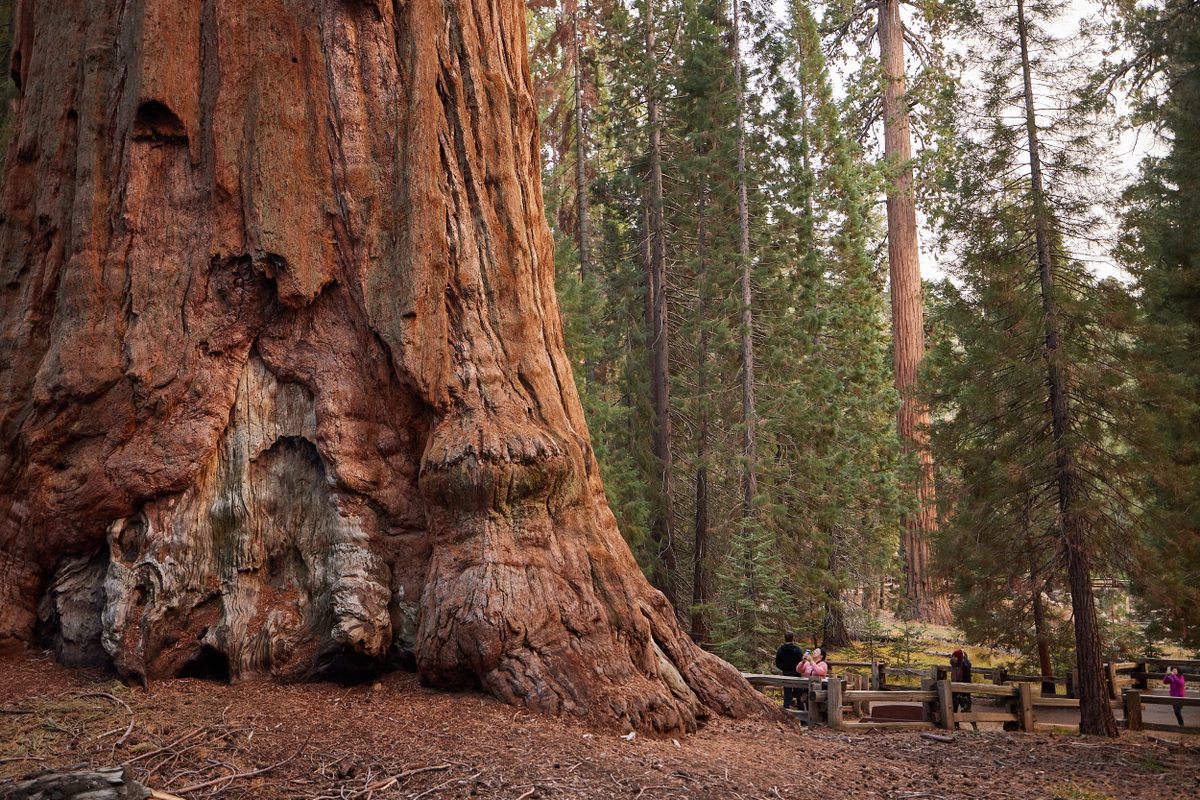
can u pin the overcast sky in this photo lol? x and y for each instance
(1124, 156)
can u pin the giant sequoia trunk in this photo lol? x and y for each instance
(282, 372)
(923, 598)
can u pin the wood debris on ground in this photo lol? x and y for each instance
(199, 740)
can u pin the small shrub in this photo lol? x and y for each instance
(907, 643)
(1071, 791)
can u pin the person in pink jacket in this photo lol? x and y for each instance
(813, 665)
(1178, 689)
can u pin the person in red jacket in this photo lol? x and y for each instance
(960, 672)
(1178, 689)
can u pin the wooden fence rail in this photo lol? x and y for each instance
(1134, 700)
(1014, 704)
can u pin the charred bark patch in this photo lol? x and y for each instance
(69, 611)
(155, 122)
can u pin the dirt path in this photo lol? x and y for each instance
(395, 739)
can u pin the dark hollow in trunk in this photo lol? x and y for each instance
(282, 378)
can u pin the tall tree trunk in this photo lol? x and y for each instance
(701, 579)
(662, 571)
(1036, 593)
(833, 626)
(749, 417)
(924, 599)
(1095, 715)
(582, 222)
(1039, 627)
(282, 379)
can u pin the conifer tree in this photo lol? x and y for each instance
(836, 413)
(704, 210)
(1032, 408)
(825, 505)
(1162, 247)
(884, 87)
(603, 312)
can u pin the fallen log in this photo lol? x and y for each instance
(91, 783)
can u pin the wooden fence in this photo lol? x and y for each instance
(1119, 675)
(1012, 703)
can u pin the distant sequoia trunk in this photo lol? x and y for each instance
(282, 380)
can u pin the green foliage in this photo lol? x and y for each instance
(907, 643)
(986, 376)
(872, 635)
(1162, 248)
(825, 517)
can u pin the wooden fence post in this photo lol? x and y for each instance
(1025, 695)
(1000, 676)
(875, 675)
(814, 715)
(1072, 680)
(833, 704)
(927, 707)
(1110, 672)
(1133, 709)
(946, 701)
(1143, 682)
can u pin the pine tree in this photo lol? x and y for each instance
(825, 499)
(1162, 248)
(1033, 411)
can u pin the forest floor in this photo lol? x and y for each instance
(396, 739)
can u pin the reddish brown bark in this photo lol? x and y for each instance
(282, 372)
(924, 599)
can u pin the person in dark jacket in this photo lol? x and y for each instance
(787, 657)
(960, 672)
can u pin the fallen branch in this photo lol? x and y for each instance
(388, 783)
(435, 788)
(119, 702)
(238, 776)
(155, 794)
(937, 737)
(419, 770)
(164, 748)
